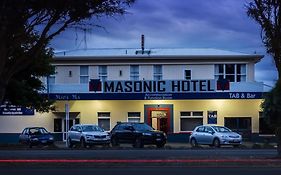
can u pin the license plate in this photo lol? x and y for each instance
(158, 139)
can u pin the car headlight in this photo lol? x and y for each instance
(146, 134)
(51, 138)
(34, 139)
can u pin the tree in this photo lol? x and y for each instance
(267, 13)
(26, 29)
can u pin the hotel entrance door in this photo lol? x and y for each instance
(159, 120)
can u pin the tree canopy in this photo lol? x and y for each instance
(267, 13)
(26, 29)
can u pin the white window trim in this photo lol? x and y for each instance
(189, 117)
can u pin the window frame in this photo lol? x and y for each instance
(242, 75)
(191, 116)
(134, 72)
(157, 72)
(104, 117)
(85, 76)
(102, 72)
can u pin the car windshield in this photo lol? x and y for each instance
(90, 128)
(142, 127)
(38, 131)
(221, 129)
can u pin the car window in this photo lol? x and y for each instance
(79, 129)
(142, 127)
(221, 129)
(90, 128)
(24, 131)
(43, 131)
(122, 127)
(208, 129)
(73, 128)
(200, 129)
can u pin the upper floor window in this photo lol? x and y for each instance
(134, 72)
(231, 72)
(103, 73)
(187, 74)
(51, 79)
(157, 72)
(84, 74)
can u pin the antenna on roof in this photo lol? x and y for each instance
(142, 43)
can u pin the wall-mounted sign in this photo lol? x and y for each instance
(156, 96)
(147, 86)
(15, 110)
(212, 117)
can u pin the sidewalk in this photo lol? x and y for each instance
(176, 145)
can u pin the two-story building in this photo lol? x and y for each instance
(172, 90)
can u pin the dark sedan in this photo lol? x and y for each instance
(36, 136)
(138, 134)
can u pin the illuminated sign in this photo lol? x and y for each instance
(170, 86)
(15, 110)
(212, 117)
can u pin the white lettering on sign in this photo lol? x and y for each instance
(162, 86)
(240, 95)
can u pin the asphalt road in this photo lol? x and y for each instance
(140, 162)
(140, 154)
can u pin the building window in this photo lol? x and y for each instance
(57, 125)
(264, 125)
(190, 119)
(103, 73)
(241, 72)
(157, 72)
(134, 72)
(187, 74)
(104, 120)
(241, 125)
(134, 117)
(84, 74)
(231, 72)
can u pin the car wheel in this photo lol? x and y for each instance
(83, 143)
(69, 143)
(216, 143)
(114, 141)
(193, 142)
(138, 143)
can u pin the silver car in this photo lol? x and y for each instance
(214, 136)
(87, 135)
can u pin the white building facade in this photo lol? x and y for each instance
(172, 90)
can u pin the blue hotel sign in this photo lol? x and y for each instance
(157, 90)
(15, 110)
(170, 86)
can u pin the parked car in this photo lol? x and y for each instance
(36, 136)
(214, 136)
(138, 134)
(86, 134)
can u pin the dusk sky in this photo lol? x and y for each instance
(218, 24)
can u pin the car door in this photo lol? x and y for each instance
(208, 136)
(24, 136)
(78, 133)
(199, 134)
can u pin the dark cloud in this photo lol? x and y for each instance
(220, 24)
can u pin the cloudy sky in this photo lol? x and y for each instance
(219, 24)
